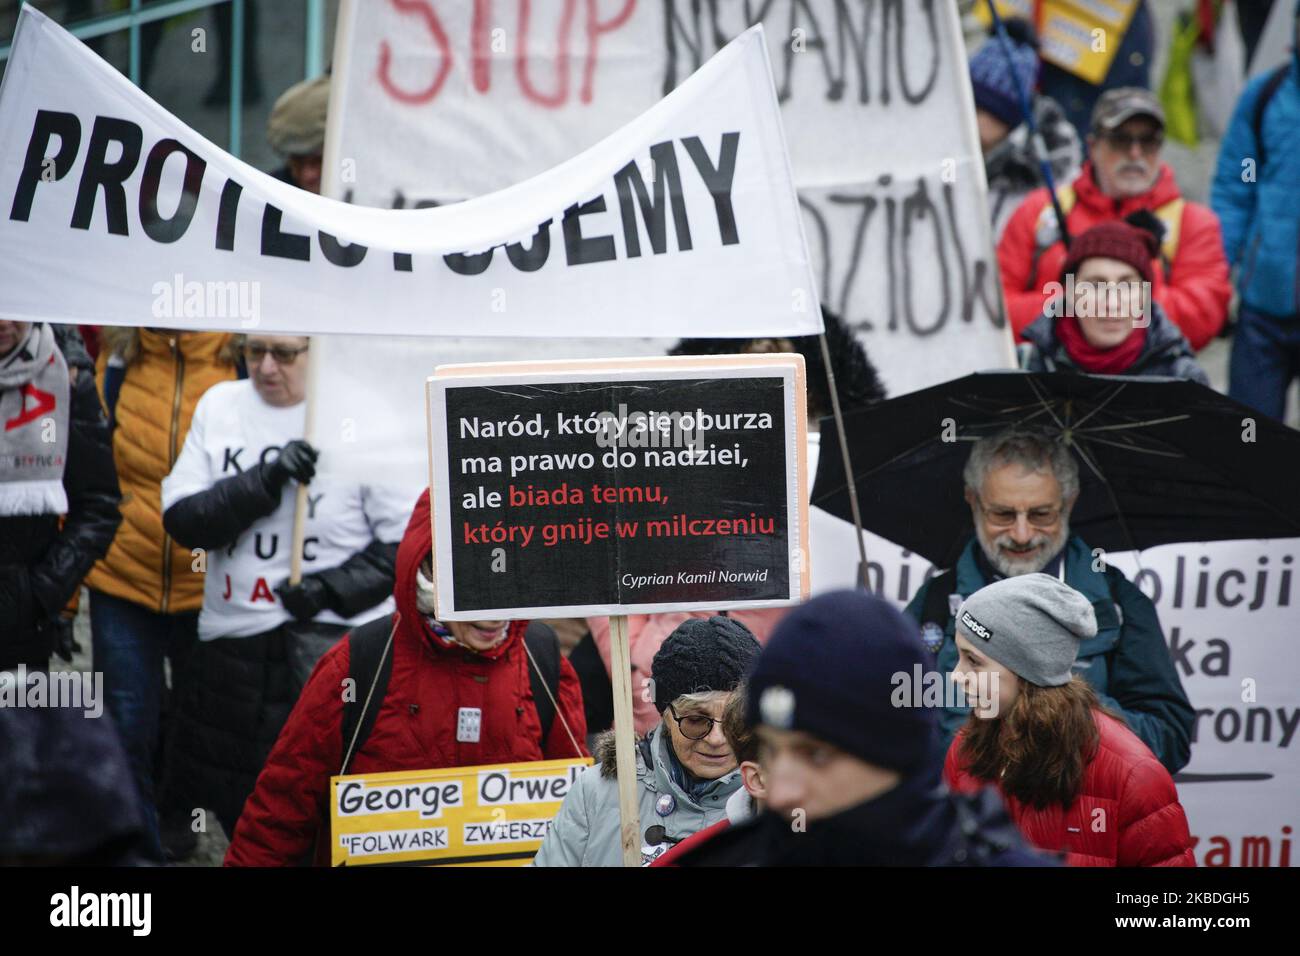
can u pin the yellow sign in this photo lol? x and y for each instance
(494, 815)
(1080, 36)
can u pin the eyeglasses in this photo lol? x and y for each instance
(1045, 517)
(1150, 142)
(694, 726)
(254, 352)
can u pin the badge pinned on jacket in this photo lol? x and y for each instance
(932, 636)
(469, 725)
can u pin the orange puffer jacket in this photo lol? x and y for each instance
(165, 374)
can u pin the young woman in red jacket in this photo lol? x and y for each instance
(1075, 779)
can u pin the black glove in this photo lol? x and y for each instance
(17, 603)
(65, 640)
(296, 460)
(305, 599)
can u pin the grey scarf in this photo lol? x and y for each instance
(34, 397)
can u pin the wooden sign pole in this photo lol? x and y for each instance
(849, 477)
(620, 666)
(300, 498)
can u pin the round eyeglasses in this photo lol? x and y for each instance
(694, 726)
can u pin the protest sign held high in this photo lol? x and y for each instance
(606, 487)
(159, 223)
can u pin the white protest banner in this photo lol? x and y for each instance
(492, 815)
(367, 421)
(437, 101)
(1228, 610)
(606, 486)
(117, 213)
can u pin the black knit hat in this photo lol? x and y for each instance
(702, 655)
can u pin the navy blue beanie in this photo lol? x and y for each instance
(990, 76)
(828, 670)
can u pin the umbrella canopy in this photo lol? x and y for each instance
(1160, 460)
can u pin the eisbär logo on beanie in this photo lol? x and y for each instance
(1031, 625)
(975, 627)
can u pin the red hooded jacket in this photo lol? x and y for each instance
(1194, 292)
(415, 728)
(1127, 812)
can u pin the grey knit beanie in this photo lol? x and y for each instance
(1031, 624)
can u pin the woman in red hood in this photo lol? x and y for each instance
(437, 670)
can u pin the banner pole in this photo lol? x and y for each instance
(332, 188)
(620, 668)
(300, 499)
(844, 455)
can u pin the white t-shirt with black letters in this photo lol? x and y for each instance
(233, 430)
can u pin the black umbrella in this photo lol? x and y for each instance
(1160, 460)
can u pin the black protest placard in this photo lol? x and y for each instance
(599, 487)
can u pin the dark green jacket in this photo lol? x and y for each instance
(1127, 663)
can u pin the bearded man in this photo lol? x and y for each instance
(1021, 485)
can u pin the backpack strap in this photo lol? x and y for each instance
(1275, 80)
(370, 666)
(1171, 217)
(544, 651)
(1047, 231)
(935, 609)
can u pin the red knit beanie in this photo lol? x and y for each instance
(1114, 240)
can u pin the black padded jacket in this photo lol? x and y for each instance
(43, 558)
(217, 517)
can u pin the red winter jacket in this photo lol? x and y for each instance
(1127, 812)
(673, 854)
(415, 728)
(1196, 294)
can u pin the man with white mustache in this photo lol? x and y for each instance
(1123, 179)
(1021, 485)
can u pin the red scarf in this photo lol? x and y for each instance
(1111, 361)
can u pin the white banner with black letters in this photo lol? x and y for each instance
(1228, 610)
(114, 212)
(439, 101)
